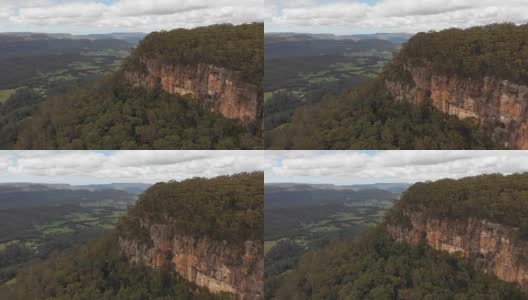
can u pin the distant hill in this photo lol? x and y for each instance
(214, 227)
(130, 37)
(41, 44)
(396, 38)
(132, 188)
(280, 48)
(447, 239)
(290, 195)
(396, 187)
(210, 99)
(26, 195)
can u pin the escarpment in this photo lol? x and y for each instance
(210, 231)
(219, 266)
(499, 106)
(480, 73)
(491, 247)
(221, 67)
(215, 88)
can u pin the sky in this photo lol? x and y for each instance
(99, 167)
(371, 16)
(105, 16)
(334, 167)
(363, 167)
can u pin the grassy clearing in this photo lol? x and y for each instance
(5, 94)
(268, 245)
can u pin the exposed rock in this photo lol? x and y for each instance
(499, 106)
(217, 89)
(217, 265)
(490, 247)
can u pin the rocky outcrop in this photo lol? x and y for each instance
(499, 106)
(219, 266)
(217, 89)
(490, 247)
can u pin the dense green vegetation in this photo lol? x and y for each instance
(301, 70)
(223, 208)
(369, 119)
(115, 115)
(97, 271)
(234, 47)
(376, 267)
(36, 220)
(497, 50)
(496, 198)
(301, 218)
(35, 66)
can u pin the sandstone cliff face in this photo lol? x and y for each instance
(499, 106)
(218, 266)
(490, 247)
(217, 89)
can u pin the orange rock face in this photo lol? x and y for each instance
(217, 89)
(500, 106)
(490, 247)
(215, 265)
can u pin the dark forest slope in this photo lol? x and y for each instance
(228, 208)
(113, 114)
(398, 261)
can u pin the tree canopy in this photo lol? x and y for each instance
(496, 198)
(376, 267)
(238, 48)
(115, 115)
(497, 50)
(98, 271)
(370, 119)
(222, 208)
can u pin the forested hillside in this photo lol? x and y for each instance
(115, 113)
(37, 220)
(223, 208)
(376, 267)
(443, 240)
(451, 89)
(36, 66)
(303, 217)
(227, 209)
(370, 119)
(497, 50)
(233, 47)
(496, 198)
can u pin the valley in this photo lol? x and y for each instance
(37, 66)
(300, 218)
(302, 68)
(37, 220)
(442, 239)
(153, 248)
(451, 89)
(123, 91)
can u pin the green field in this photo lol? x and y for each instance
(5, 94)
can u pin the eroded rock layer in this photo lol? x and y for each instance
(219, 266)
(490, 247)
(217, 89)
(499, 106)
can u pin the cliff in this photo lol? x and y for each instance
(491, 247)
(219, 266)
(499, 106)
(217, 89)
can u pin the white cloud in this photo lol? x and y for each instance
(392, 166)
(144, 166)
(86, 16)
(393, 15)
